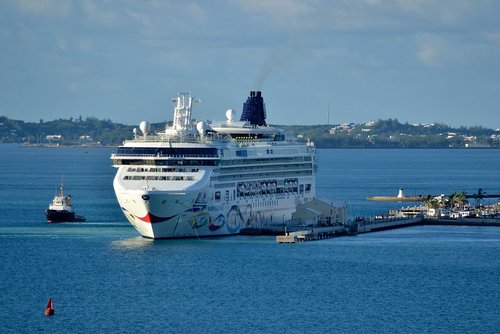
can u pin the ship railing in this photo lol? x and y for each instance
(159, 155)
(162, 138)
(244, 141)
(154, 139)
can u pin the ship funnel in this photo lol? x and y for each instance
(254, 110)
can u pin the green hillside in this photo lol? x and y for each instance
(378, 134)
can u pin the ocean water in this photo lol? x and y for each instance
(104, 278)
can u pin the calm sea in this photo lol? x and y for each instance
(104, 278)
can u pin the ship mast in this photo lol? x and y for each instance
(182, 112)
(62, 186)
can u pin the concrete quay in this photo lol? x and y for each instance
(313, 233)
(352, 228)
(386, 224)
(359, 227)
(461, 221)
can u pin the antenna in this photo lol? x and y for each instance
(62, 186)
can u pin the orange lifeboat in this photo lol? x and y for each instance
(49, 310)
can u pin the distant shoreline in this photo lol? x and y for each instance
(42, 145)
(49, 145)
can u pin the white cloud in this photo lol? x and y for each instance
(339, 47)
(61, 44)
(85, 44)
(433, 50)
(195, 13)
(458, 51)
(428, 54)
(74, 87)
(107, 85)
(286, 12)
(99, 14)
(493, 37)
(44, 7)
(161, 23)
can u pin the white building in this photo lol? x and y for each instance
(321, 212)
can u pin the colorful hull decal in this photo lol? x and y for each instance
(200, 219)
(218, 223)
(150, 218)
(234, 219)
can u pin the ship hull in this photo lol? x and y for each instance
(62, 216)
(225, 221)
(174, 214)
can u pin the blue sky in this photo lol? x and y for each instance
(420, 61)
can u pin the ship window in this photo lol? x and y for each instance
(217, 195)
(212, 152)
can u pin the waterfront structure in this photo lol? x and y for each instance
(321, 213)
(199, 179)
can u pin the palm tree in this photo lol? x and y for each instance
(462, 198)
(479, 196)
(443, 201)
(431, 202)
(453, 200)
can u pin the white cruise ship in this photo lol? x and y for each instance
(212, 178)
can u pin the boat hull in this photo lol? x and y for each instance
(62, 216)
(172, 215)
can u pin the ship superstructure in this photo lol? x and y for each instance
(212, 178)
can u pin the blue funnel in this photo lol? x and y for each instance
(254, 110)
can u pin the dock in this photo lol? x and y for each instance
(322, 219)
(387, 224)
(312, 233)
(375, 225)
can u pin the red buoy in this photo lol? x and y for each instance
(49, 310)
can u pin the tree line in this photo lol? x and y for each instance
(380, 134)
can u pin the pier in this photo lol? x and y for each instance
(366, 226)
(461, 221)
(313, 233)
(386, 224)
(352, 228)
(321, 219)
